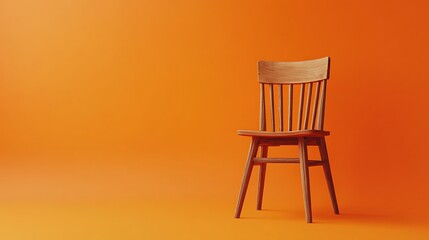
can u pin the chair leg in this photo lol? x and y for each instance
(305, 178)
(262, 170)
(246, 177)
(328, 175)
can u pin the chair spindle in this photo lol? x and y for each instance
(273, 122)
(301, 105)
(262, 124)
(307, 107)
(290, 105)
(315, 106)
(280, 107)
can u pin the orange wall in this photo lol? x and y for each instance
(143, 98)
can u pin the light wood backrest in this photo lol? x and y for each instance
(310, 77)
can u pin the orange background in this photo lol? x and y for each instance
(118, 118)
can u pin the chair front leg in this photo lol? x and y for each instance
(303, 160)
(253, 150)
(262, 170)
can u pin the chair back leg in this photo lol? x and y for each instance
(328, 175)
(253, 150)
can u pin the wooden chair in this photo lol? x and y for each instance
(311, 76)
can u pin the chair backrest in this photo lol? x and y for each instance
(311, 76)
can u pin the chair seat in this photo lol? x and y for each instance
(289, 134)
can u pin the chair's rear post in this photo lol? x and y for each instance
(323, 97)
(307, 107)
(273, 121)
(322, 105)
(262, 121)
(280, 107)
(290, 106)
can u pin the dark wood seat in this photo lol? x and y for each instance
(311, 76)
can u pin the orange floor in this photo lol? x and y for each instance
(85, 199)
(191, 219)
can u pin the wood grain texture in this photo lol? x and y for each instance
(293, 72)
(308, 73)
